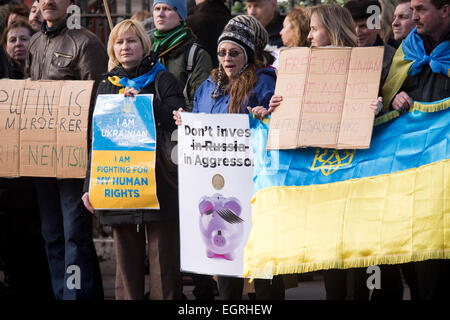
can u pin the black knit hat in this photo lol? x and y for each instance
(358, 8)
(240, 34)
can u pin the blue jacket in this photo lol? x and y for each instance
(259, 96)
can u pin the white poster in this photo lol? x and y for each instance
(215, 188)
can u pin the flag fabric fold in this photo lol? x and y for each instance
(316, 209)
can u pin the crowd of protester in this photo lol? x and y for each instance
(211, 62)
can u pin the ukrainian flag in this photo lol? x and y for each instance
(323, 208)
(409, 59)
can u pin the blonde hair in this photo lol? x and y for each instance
(338, 23)
(300, 20)
(120, 29)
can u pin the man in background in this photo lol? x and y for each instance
(267, 14)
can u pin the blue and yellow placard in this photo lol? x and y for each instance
(123, 153)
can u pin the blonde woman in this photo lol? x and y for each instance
(130, 58)
(330, 25)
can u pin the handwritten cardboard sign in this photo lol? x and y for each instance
(43, 128)
(326, 97)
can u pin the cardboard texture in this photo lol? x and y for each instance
(43, 126)
(326, 97)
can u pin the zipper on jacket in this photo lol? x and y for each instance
(45, 52)
(57, 54)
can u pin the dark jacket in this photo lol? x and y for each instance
(428, 86)
(207, 23)
(172, 99)
(5, 67)
(64, 54)
(389, 53)
(175, 61)
(273, 29)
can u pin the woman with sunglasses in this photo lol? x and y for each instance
(241, 84)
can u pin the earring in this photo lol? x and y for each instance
(243, 69)
(216, 93)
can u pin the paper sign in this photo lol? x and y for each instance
(215, 168)
(123, 153)
(43, 128)
(326, 97)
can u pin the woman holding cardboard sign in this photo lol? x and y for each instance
(241, 84)
(130, 58)
(330, 25)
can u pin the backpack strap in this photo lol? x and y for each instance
(190, 64)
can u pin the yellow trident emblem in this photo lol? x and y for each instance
(329, 163)
(127, 105)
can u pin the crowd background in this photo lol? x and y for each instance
(286, 24)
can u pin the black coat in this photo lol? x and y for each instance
(207, 23)
(172, 99)
(427, 86)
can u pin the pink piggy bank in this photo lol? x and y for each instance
(221, 227)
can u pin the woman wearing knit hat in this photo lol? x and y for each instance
(172, 39)
(242, 83)
(261, 38)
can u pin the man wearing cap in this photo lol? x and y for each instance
(172, 40)
(267, 14)
(403, 23)
(364, 14)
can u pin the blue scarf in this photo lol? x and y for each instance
(143, 80)
(414, 50)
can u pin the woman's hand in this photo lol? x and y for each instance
(259, 111)
(86, 202)
(275, 101)
(130, 92)
(402, 101)
(376, 106)
(177, 116)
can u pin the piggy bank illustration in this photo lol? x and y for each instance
(221, 227)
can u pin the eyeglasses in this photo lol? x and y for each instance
(231, 53)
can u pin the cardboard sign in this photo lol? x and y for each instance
(326, 97)
(214, 153)
(123, 153)
(43, 126)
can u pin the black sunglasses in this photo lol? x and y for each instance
(231, 53)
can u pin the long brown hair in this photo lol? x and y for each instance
(240, 87)
(338, 23)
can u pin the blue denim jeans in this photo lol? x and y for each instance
(67, 230)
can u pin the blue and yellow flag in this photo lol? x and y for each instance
(409, 59)
(319, 209)
(123, 153)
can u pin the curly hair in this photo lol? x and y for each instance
(300, 19)
(240, 87)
